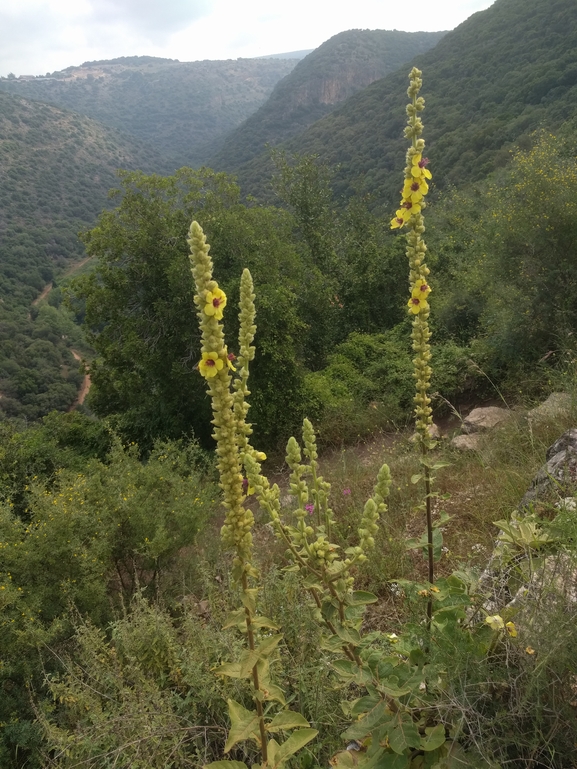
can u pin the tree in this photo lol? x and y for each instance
(140, 311)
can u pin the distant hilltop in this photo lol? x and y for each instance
(290, 55)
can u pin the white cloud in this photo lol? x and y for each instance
(37, 36)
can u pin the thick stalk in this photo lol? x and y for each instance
(430, 551)
(255, 681)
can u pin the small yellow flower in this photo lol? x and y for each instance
(495, 622)
(419, 167)
(529, 650)
(210, 364)
(215, 303)
(410, 208)
(415, 189)
(398, 221)
(511, 629)
(421, 288)
(260, 455)
(417, 303)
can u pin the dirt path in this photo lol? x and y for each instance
(84, 388)
(49, 286)
(45, 291)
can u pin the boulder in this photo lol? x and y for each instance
(556, 405)
(485, 418)
(466, 442)
(558, 474)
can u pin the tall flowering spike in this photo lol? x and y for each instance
(415, 188)
(215, 366)
(247, 330)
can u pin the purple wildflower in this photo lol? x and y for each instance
(310, 508)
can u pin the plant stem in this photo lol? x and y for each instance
(255, 681)
(430, 552)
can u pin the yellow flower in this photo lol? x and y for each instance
(421, 288)
(210, 364)
(260, 455)
(417, 303)
(495, 622)
(410, 208)
(398, 221)
(511, 629)
(215, 303)
(415, 189)
(529, 650)
(418, 167)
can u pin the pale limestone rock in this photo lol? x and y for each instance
(556, 405)
(485, 418)
(466, 442)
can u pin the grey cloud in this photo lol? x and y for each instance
(154, 18)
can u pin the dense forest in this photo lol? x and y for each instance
(343, 65)
(182, 109)
(127, 623)
(496, 78)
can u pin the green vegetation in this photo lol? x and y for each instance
(118, 601)
(181, 109)
(491, 82)
(55, 171)
(333, 72)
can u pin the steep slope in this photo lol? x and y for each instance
(489, 83)
(180, 108)
(343, 65)
(55, 172)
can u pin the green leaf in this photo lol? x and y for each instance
(416, 478)
(236, 619)
(287, 719)
(225, 765)
(345, 667)
(243, 725)
(434, 739)
(348, 635)
(394, 761)
(273, 692)
(332, 643)
(311, 583)
(295, 742)
(391, 687)
(344, 759)
(247, 661)
(231, 669)
(248, 598)
(261, 621)
(366, 725)
(362, 597)
(266, 647)
(364, 705)
(404, 734)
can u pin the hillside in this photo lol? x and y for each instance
(488, 84)
(183, 109)
(56, 168)
(341, 66)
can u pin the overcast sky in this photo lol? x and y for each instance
(39, 36)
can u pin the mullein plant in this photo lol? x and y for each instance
(409, 214)
(392, 722)
(400, 721)
(232, 433)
